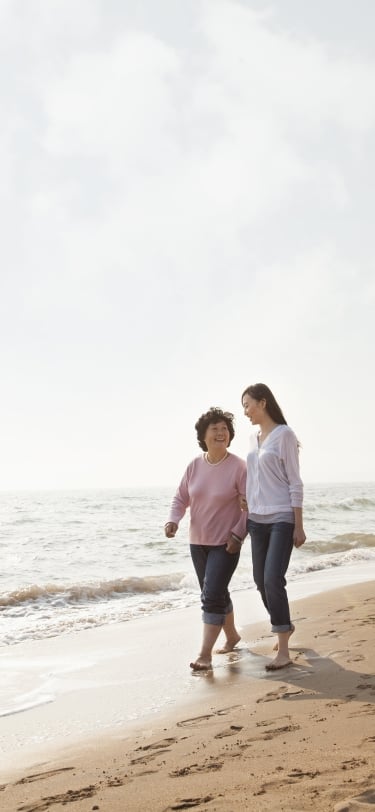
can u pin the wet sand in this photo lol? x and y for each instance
(239, 737)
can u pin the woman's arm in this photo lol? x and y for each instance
(299, 537)
(180, 503)
(291, 462)
(290, 456)
(239, 530)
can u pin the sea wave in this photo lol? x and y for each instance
(334, 559)
(104, 590)
(341, 543)
(49, 614)
(348, 503)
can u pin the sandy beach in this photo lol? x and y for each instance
(240, 738)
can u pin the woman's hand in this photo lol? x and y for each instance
(233, 545)
(299, 537)
(243, 502)
(170, 530)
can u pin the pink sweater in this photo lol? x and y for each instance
(212, 494)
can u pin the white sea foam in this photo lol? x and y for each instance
(21, 707)
(77, 560)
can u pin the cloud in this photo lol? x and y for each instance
(185, 209)
(184, 151)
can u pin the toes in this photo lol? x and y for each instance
(277, 666)
(200, 666)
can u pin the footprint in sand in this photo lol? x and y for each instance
(351, 763)
(364, 686)
(296, 773)
(278, 731)
(118, 781)
(268, 722)
(369, 620)
(270, 733)
(153, 750)
(210, 766)
(195, 721)
(272, 696)
(367, 710)
(158, 745)
(229, 731)
(224, 711)
(292, 778)
(188, 803)
(145, 758)
(28, 779)
(64, 798)
(280, 693)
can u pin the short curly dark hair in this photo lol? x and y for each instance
(214, 415)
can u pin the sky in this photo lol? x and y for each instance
(187, 208)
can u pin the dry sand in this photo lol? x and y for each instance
(299, 739)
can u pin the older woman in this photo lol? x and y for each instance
(211, 487)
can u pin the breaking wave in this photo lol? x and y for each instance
(102, 591)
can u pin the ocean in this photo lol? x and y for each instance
(82, 559)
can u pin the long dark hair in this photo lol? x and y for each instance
(259, 391)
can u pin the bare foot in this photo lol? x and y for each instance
(229, 645)
(280, 661)
(276, 646)
(201, 665)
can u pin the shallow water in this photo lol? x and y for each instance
(80, 559)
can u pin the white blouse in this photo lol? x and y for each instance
(273, 482)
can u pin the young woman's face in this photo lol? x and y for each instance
(217, 436)
(254, 409)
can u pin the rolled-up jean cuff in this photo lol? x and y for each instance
(213, 618)
(217, 618)
(285, 628)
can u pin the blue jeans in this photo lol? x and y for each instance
(214, 568)
(271, 548)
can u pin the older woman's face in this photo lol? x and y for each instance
(217, 435)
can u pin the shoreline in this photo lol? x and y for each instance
(301, 738)
(119, 677)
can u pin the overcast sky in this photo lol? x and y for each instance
(186, 208)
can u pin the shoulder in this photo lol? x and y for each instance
(237, 462)
(288, 432)
(287, 435)
(195, 464)
(198, 461)
(283, 429)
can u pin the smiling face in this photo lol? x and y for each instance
(217, 437)
(255, 410)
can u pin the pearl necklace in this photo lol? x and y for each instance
(215, 463)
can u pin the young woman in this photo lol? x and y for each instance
(211, 487)
(274, 494)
